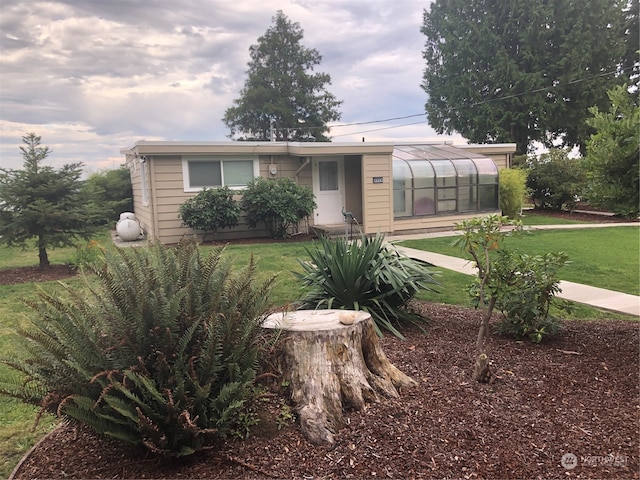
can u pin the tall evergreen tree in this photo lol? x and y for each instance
(282, 96)
(42, 203)
(612, 163)
(521, 70)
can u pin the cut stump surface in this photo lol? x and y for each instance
(330, 366)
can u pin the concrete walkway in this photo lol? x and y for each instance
(596, 297)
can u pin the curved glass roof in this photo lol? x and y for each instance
(439, 179)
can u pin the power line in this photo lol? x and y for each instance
(475, 104)
(450, 109)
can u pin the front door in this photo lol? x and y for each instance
(328, 182)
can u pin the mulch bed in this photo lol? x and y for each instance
(576, 393)
(11, 276)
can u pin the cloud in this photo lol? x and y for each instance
(91, 77)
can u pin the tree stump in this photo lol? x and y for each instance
(331, 366)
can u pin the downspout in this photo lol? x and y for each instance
(307, 161)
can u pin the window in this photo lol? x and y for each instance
(211, 172)
(432, 180)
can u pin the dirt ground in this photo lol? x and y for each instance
(573, 397)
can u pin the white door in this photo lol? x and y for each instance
(328, 186)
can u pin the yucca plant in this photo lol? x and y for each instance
(162, 352)
(368, 274)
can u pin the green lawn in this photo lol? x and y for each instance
(609, 252)
(601, 257)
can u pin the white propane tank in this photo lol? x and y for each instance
(128, 228)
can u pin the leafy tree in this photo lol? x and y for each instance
(521, 71)
(42, 203)
(282, 94)
(611, 164)
(279, 204)
(110, 193)
(210, 210)
(554, 180)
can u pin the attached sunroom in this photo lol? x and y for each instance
(438, 180)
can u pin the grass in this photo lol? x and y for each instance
(606, 257)
(535, 219)
(589, 249)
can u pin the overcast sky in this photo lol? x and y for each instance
(94, 76)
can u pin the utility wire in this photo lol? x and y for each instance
(450, 109)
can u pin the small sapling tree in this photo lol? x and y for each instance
(480, 237)
(519, 285)
(43, 203)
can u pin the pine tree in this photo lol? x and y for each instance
(42, 203)
(282, 97)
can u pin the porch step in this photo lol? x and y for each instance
(334, 231)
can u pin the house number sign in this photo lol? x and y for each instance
(377, 179)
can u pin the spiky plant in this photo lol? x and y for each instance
(367, 274)
(162, 352)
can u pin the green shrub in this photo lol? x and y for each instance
(512, 190)
(162, 352)
(110, 194)
(278, 203)
(87, 255)
(555, 180)
(210, 210)
(367, 275)
(527, 288)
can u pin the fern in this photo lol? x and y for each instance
(161, 353)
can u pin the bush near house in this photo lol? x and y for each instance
(367, 275)
(279, 204)
(554, 180)
(210, 210)
(513, 187)
(161, 353)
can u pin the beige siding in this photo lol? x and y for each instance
(170, 194)
(431, 223)
(371, 203)
(377, 197)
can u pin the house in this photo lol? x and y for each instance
(386, 187)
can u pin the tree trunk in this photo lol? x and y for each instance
(44, 258)
(331, 366)
(482, 370)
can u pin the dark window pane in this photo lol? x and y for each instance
(328, 175)
(488, 197)
(467, 198)
(204, 174)
(424, 202)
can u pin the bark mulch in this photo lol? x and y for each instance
(573, 397)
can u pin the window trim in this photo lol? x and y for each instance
(186, 181)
